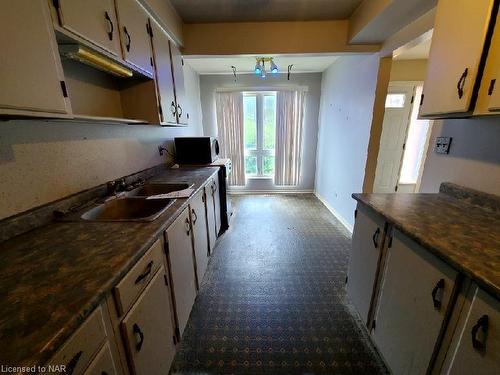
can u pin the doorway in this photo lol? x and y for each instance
(404, 141)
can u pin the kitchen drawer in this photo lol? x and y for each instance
(103, 363)
(80, 349)
(127, 291)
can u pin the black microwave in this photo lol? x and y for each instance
(196, 150)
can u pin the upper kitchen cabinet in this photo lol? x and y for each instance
(134, 31)
(93, 20)
(31, 76)
(180, 93)
(488, 99)
(459, 46)
(164, 78)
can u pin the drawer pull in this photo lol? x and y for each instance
(145, 274)
(375, 237)
(482, 323)
(137, 332)
(188, 227)
(179, 110)
(195, 216)
(435, 300)
(461, 83)
(70, 367)
(111, 26)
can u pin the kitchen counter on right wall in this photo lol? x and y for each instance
(459, 225)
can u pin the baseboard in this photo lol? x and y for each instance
(242, 191)
(339, 217)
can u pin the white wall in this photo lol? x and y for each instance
(210, 83)
(44, 160)
(346, 110)
(474, 158)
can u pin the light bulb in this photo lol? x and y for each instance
(258, 69)
(274, 67)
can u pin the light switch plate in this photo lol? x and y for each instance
(443, 145)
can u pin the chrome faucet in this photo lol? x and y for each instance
(114, 187)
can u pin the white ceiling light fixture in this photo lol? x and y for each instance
(260, 66)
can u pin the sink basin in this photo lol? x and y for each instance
(128, 209)
(156, 188)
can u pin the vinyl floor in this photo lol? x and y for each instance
(273, 299)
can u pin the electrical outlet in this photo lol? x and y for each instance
(443, 145)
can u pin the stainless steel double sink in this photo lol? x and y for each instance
(135, 206)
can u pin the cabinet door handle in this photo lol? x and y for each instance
(111, 26)
(482, 323)
(129, 40)
(188, 227)
(195, 216)
(137, 332)
(491, 87)
(179, 110)
(461, 83)
(173, 108)
(145, 274)
(375, 237)
(436, 301)
(70, 367)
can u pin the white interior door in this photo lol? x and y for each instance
(396, 119)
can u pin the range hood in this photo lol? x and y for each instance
(94, 59)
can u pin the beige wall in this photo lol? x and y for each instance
(43, 160)
(345, 120)
(269, 38)
(474, 158)
(408, 70)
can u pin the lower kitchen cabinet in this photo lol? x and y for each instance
(209, 197)
(216, 195)
(103, 363)
(414, 299)
(148, 331)
(367, 243)
(475, 347)
(180, 255)
(200, 234)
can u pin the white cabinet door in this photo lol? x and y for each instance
(135, 39)
(164, 79)
(488, 98)
(180, 253)
(94, 20)
(103, 363)
(216, 194)
(367, 240)
(30, 67)
(148, 330)
(478, 349)
(200, 233)
(180, 94)
(212, 236)
(414, 298)
(458, 41)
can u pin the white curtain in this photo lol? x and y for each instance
(230, 126)
(289, 123)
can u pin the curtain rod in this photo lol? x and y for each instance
(262, 88)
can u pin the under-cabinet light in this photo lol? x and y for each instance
(94, 59)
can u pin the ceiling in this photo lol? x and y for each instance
(206, 11)
(415, 50)
(246, 64)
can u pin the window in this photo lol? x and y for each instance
(395, 101)
(259, 123)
